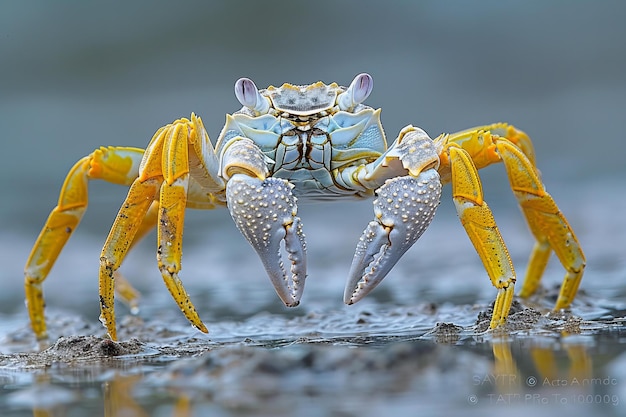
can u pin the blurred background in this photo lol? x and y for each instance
(78, 75)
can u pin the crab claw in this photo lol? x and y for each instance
(265, 213)
(404, 208)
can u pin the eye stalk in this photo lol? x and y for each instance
(248, 95)
(360, 88)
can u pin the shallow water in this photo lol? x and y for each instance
(75, 78)
(267, 365)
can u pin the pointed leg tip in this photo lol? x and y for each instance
(41, 336)
(497, 322)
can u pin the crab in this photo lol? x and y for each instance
(296, 143)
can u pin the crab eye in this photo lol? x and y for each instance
(360, 88)
(248, 95)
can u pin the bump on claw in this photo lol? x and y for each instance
(265, 213)
(404, 209)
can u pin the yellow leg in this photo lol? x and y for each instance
(164, 173)
(479, 142)
(117, 165)
(172, 203)
(123, 288)
(547, 224)
(169, 253)
(482, 230)
(125, 227)
(537, 263)
(197, 198)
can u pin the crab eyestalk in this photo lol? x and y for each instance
(248, 95)
(360, 88)
(403, 210)
(265, 213)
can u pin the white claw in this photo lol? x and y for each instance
(265, 213)
(404, 209)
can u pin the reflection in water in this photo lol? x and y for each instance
(547, 373)
(45, 398)
(507, 376)
(580, 368)
(238, 379)
(118, 396)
